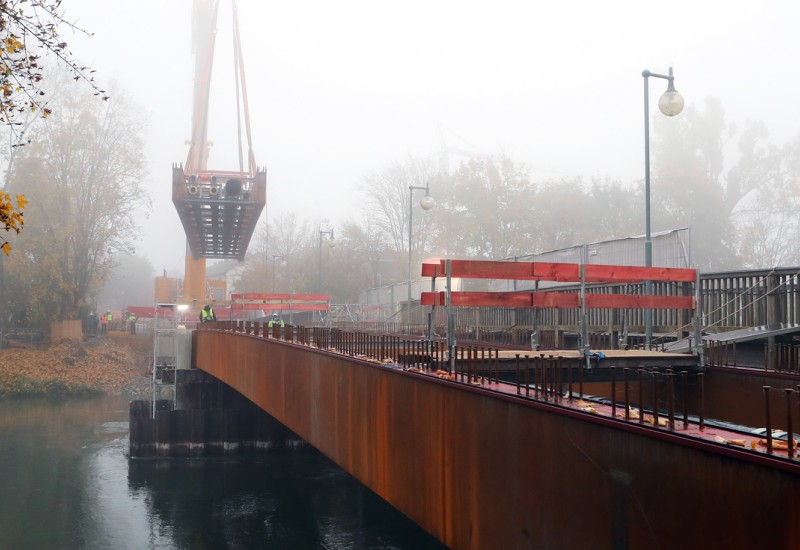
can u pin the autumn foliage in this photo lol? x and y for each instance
(11, 217)
(105, 365)
(28, 32)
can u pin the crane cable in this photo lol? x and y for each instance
(240, 76)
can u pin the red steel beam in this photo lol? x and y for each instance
(520, 271)
(636, 274)
(286, 306)
(563, 272)
(284, 297)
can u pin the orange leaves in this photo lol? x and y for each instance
(104, 365)
(12, 44)
(11, 217)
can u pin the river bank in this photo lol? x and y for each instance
(110, 364)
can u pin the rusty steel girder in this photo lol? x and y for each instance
(478, 469)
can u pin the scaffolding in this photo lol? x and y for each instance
(165, 353)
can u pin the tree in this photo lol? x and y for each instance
(692, 187)
(765, 212)
(28, 31)
(83, 173)
(486, 210)
(286, 236)
(387, 193)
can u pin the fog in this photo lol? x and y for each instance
(339, 89)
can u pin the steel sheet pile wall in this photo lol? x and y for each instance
(482, 471)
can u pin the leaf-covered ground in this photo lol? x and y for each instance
(116, 363)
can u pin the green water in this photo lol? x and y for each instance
(67, 482)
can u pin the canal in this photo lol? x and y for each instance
(67, 482)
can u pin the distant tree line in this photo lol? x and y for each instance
(737, 192)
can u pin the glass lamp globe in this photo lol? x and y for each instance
(670, 103)
(427, 202)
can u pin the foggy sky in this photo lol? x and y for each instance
(341, 89)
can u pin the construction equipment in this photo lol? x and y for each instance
(219, 210)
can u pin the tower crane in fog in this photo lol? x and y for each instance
(218, 209)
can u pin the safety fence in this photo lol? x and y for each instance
(660, 397)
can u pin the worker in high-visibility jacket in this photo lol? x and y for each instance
(132, 320)
(275, 321)
(207, 314)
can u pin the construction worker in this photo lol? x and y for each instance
(104, 323)
(109, 319)
(207, 314)
(275, 321)
(132, 319)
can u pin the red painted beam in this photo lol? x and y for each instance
(286, 306)
(635, 274)
(563, 272)
(283, 297)
(520, 271)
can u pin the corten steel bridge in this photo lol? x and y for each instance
(525, 459)
(529, 462)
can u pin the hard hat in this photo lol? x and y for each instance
(274, 315)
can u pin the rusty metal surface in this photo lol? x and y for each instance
(480, 470)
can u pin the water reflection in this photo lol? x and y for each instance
(68, 483)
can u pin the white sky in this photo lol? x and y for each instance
(341, 89)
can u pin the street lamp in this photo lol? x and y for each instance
(670, 104)
(331, 244)
(426, 203)
(283, 262)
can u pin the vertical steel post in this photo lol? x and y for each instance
(789, 431)
(767, 418)
(627, 397)
(451, 337)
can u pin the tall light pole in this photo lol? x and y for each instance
(426, 203)
(275, 257)
(670, 104)
(331, 244)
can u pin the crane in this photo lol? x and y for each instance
(219, 209)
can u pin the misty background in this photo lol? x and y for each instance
(526, 120)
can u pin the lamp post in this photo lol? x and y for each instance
(426, 203)
(283, 262)
(670, 104)
(331, 244)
